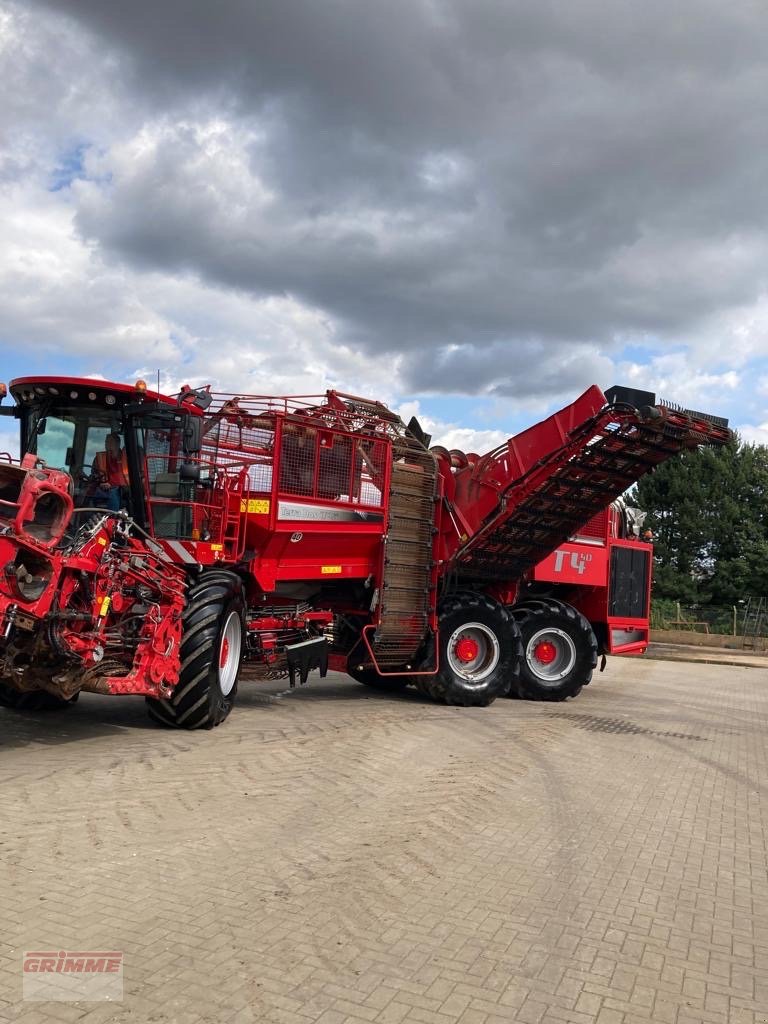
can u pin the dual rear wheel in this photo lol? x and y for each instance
(479, 652)
(541, 649)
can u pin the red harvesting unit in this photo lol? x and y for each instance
(150, 544)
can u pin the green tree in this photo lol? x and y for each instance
(708, 510)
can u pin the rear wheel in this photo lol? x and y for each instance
(559, 650)
(479, 652)
(212, 644)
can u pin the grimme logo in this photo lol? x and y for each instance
(578, 561)
(63, 975)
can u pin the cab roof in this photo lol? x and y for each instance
(27, 389)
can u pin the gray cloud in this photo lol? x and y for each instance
(455, 180)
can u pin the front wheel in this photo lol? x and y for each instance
(559, 650)
(212, 644)
(478, 650)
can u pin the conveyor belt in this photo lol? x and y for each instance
(564, 491)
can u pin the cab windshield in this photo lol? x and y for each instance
(121, 456)
(88, 443)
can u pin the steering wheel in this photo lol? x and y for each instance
(87, 476)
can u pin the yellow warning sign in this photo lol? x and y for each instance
(259, 506)
(330, 570)
(217, 547)
(105, 603)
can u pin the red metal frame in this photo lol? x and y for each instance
(427, 672)
(580, 570)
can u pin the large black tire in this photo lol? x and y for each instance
(559, 650)
(32, 700)
(212, 645)
(479, 652)
(370, 677)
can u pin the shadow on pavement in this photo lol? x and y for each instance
(92, 717)
(96, 716)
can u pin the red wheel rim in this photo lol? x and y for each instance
(224, 656)
(545, 652)
(467, 649)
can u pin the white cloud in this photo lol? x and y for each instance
(9, 441)
(676, 377)
(754, 434)
(56, 292)
(458, 221)
(451, 435)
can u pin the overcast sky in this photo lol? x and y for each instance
(468, 208)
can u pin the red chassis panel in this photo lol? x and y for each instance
(591, 571)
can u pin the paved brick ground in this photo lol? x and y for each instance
(336, 855)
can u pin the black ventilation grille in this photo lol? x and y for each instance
(629, 583)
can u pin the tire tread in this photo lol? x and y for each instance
(192, 705)
(444, 687)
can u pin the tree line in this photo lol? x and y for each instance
(708, 510)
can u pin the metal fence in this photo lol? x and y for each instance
(728, 620)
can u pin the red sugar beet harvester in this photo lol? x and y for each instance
(152, 544)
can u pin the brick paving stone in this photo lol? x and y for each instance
(337, 856)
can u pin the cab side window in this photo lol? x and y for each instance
(55, 443)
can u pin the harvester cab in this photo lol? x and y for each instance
(122, 447)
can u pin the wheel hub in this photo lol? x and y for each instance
(545, 652)
(473, 652)
(550, 655)
(467, 649)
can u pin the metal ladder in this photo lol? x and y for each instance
(753, 627)
(406, 599)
